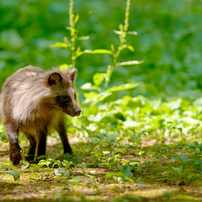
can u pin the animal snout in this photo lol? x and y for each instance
(77, 111)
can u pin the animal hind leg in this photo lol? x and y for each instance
(42, 142)
(31, 153)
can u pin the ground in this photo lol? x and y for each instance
(140, 174)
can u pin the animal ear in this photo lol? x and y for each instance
(54, 78)
(72, 74)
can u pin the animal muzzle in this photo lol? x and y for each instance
(77, 111)
(74, 110)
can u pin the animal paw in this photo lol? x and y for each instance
(15, 156)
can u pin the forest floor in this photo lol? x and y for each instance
(149, 173)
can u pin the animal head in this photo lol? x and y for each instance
(62, 87)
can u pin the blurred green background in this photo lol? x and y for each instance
(169, 40)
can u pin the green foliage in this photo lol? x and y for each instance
(8, 168)
(167, 42)
(141, 122)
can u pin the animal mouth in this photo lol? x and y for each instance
(74, 114)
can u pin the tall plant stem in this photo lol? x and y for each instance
(72, 32)
(122, 37)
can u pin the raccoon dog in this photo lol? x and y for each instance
(33, 100)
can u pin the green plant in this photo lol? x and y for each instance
(99, 94)
(8, 168)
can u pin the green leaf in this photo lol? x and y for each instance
(95, 141)
(117, 32)
(89, 86)
(25, 165)
(130, 48)
(82, 38)
(133, 33)
(64, 67)
(176, 168)
(96, 51)
(61, 171)
(33, 176)
(119, 174)
(55, 193)
(90, 96)
(139, 182)
(95, 97)
(75, 179)
(127, 170)
(99, 51)
(79, 53)
(181, 158)
(122, 87)
(15, 174)
(112, 137)
(4, 165)
(106, 152)
(184, 158)
(133, 62)
(98, 78)
(59, 44)
(76, 19)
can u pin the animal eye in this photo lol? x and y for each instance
(63, 99)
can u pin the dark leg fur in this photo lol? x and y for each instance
(63, 136)
(15, 148)
(42, 143)
(31, 152)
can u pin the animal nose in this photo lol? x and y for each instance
(78, 111)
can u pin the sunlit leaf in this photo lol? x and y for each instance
(98, 78)
(5, 165)
(25, 165)
(79, 53)
(130, 48)
(198, 101)
(122, 87)
(133, 33)
(87, 86)
(106, 152)
(94, 97)
(59, 44)
(95, 118)
(61, 172)
(76, 18)
(64, 67)
(112, 137)
(90, 95)
(133, 62)
(33, 176)
(82, 38)
(98, 51)
(117, 32)
(176, 168)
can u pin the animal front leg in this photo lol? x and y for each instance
(63, 136)
(15, 155)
